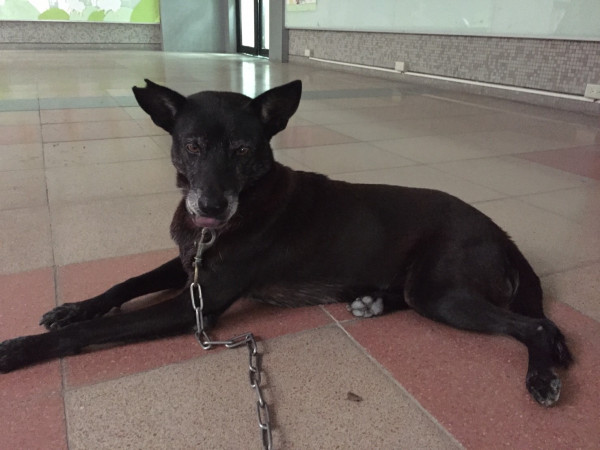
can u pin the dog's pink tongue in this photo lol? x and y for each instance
(205, 222)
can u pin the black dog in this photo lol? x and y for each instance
(295, 238)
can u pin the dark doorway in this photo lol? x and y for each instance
(253, 27)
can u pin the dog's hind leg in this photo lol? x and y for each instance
(545, 343)
(170, 275)
(171, 317)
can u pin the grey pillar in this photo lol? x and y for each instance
(278, 34)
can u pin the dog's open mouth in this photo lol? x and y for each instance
(206, 222)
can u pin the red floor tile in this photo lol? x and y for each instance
(264, 321)
(474, 384)
(339, 312)
(31, 382)
(77, 282)
(583, 161)
(32, 414)
(38, 424)
(80, 281)
(24, 297)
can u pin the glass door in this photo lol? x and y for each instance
(253, 27)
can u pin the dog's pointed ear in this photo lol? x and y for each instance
(276, 106)
(161, 103)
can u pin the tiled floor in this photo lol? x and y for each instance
(86, 197)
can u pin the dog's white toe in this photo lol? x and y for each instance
(366, 306)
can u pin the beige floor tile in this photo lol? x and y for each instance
(209, 403)
(308, 136)
(150, 129)
(115, 227)
(336, 116)
(571, 135)
(83, 115)
(423, 177)
(507, 142)
(164, 143)
(369, 114)
(135, 112)
(22, 189)
(119, 92)
(81, 131)
(512, 176)
(19, 117)
(451, 124)
(550, 242)
(25, 241)
(578, 288)
(100, 181)
(20, 134)
(343, 158)
(101, 151)
(297, 121)
(361, 102)
(581, 205)
(442, 109)
(64, 89)
(431, 149)
(314, 105)
(21, 157)
(386, 130)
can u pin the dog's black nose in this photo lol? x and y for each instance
(212, 208)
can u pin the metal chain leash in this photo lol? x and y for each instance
(262, 409)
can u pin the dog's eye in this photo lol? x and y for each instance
(242, 151)
(192, 148)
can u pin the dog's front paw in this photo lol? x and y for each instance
(544, 386)
(366, 306)
(11, 354)
(64, 315)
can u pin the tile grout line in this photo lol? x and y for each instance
(340, 325)
(63, 368)
(380, 366)
(44, 163)
(55, 280)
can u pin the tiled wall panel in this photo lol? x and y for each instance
(93, 35)
(552, 65)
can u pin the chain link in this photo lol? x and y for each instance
(254, 372)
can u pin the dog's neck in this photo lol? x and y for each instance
(259, 204)
(265, 198)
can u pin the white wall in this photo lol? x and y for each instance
(550, 19)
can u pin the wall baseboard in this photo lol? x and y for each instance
(533, 98)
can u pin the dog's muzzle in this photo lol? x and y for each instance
(206, 212)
